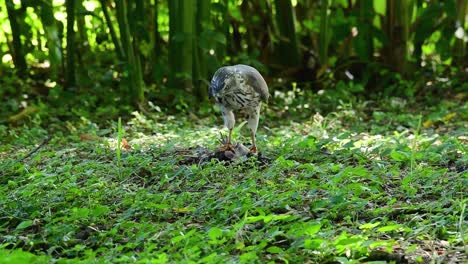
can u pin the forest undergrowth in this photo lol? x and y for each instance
(363, 182)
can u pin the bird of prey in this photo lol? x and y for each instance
(239, 88)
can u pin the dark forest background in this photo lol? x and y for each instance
(116, 56)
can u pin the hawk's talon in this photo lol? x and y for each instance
(227, 146)
(253, 150)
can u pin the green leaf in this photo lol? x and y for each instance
(360, 171)
(210, 258)
(388, 228)
(161, 259)
(219, 38)
(253, 219)
(369, 225)
(349, 241)
(284, 162)
(275, 250)
(177, 239)
(342, 260)
(248, 257)
(100, 210)
(80, 213)
(313, 229)
(25, 224)
(379, 7)
(215, 233)
(19, 256)
(313, 243)
(308, 143)
(281, 217)
(399, 155)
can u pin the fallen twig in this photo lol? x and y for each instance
(43, 143)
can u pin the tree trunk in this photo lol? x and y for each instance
(50, 25)
(397, 23)
(324, 34)
(82, 43)
(187, 14)
(226, 26)
(363, 43)
(18, 48)
(174, 43)
(287, 49)
(71, 48)
(426, 23)
(123, 27)
(81, 24)
(110, 25)
(221, 49)
(156, 36)
(181, 34)
(138, 14)
(133, 63)
(200, 72)
(459, 51)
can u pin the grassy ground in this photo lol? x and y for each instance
(366, 182)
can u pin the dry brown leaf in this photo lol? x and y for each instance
(88, 137)
(125, 144)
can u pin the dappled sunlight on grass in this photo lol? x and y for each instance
(332, 186)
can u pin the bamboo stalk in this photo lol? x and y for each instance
(128, 38)
(288, 49)
(397, 24)
(110, 26)
(174, 44)
(459, 50)
(81, 25)
(49, 23)
(18, 48)
(187, 15)
(71, 49)
(363, 44)
(156, 36)
(324, 35)
(223, 49)
(200, 65)
(123, 27)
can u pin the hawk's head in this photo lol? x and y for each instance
(218, 82)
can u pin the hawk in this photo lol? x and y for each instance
(239, 88)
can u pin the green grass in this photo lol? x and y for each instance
(362, 183)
